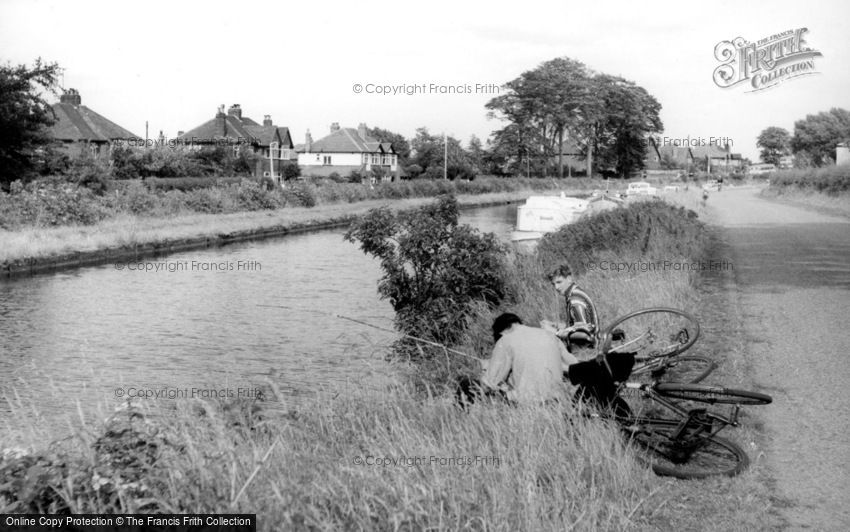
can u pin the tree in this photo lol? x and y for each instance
(435, 270)
(428, 153)
(476, 154)
(816, 136)
(774, 143)
(542, 106)
(399, 143)
(24, 117)
(604, 114)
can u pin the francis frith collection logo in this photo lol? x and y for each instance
(765, 63)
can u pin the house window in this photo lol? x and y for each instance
(365, 158)
(326, 160)
(93, 150)
(376, 159)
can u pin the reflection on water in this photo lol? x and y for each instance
(193, 322)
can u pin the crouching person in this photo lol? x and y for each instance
(527, 366)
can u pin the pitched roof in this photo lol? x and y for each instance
(677, 153)
(76, 122)
(234, 127)
(712, 150)
(348, 140)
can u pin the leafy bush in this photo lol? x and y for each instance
(355, 177)
(91, 172)
(206, 200)
(291, 171)
(435, 271)
(414, 170)
(133, 197)
(253, 196)
(460, 172)
(301, 195)
(50, 203)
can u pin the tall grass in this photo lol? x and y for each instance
(366, 462)
(832, 180)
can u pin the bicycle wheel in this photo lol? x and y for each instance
(690, 456)
(651, 333)
(687, 369)
(711, 394)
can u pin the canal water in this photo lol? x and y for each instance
(192, 324)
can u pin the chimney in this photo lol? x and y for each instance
(361, 130)
(71, 96)
(220, 125)
(235, 110)
(334, 127)
(267, 120)
(308, 142)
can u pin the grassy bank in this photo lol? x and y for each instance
(55, 202)
(830, 180)
(822, 189)
(146, 227)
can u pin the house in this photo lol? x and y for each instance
(709, 158)
(713, 158)
(786, 162)
(667, 156)
(272, 143)
(345, 150)
(79, 129)
(842, 154)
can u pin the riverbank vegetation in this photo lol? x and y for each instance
(824, 189)
(56, 202)
(404, 457)
(830, 180)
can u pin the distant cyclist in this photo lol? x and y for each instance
(582, 320)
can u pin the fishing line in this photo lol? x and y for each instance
(354, 320)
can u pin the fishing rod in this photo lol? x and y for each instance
(340, 316)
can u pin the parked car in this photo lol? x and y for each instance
(761, 169)
(641, 188)
(672, 188)
(711, 186)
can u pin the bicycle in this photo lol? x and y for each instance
(689, 447)
(657, 337)
(684, 447)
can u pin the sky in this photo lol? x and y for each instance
(171, 64)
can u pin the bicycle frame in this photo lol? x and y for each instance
(697, 420)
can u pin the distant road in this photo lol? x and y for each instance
(792, 269)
